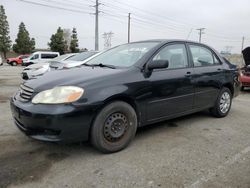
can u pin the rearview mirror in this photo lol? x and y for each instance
(157, 64)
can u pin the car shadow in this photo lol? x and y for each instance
(31, 159)
(246, 90)
(171, 124)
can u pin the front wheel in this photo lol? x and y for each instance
(223, 103)
(14, 63)
(114, 127)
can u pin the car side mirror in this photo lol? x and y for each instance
(157, 64)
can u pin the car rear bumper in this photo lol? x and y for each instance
(245, 80)
(54, 123)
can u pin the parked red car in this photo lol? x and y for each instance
(245, 71)
(17, 60)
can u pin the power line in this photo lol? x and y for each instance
(55, 7)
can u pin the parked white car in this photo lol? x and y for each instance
(38, 69)
(1, 60)
(39, 57)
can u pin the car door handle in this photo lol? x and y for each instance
(188, 74)
(219, 70)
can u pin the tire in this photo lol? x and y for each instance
(242, 88)
(14, 63)
(114, 127)
(225, 97)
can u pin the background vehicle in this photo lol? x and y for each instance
(245, 71)
(38, 69)
(74, 61)
(126, 87)
(17, 60)
(1, 60)
(39, 57)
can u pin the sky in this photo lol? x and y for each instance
(226, 21)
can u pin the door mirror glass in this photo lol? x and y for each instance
(157, 64)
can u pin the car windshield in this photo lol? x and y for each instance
(81, 56)
(123, 56)
(61, 57)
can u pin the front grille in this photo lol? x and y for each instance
(25, 93)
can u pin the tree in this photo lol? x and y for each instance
(5, 42)
(57, 42)
(74, 42)
(24, 44)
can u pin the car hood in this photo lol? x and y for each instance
(246, 55)
(75, 76)
(11, 58)
(68, 64)
(37, 65)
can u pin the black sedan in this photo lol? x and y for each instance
(126, 87)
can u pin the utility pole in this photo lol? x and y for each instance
(242, 48)
(129, 18)
(96, 25)
(201, 31)
(242, 44)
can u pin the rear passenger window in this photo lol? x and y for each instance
(202, 56)
(175, 54)
(48, 56)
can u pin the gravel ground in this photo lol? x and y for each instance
(193, 151)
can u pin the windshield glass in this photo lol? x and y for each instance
(61, 57)
(123, 56)
(81, 56)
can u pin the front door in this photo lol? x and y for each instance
(173, 87)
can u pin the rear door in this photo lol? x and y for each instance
(172, 88)
(208, 75)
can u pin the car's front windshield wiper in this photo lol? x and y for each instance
(100, 65)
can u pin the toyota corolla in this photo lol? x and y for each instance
(126, 87)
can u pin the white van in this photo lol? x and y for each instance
(39, 57)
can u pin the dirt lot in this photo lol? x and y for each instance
(194, 151)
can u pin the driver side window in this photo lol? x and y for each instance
(175, 54)
(36, 56)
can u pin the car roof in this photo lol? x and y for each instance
(167, 40)
(46, 52)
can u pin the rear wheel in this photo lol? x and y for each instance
(223, 103)
(114, 127)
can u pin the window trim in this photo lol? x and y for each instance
(166, 45)
(203, 46)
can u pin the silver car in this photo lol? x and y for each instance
(34, 70)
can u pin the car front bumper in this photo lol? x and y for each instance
(55, 123)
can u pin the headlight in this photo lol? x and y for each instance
(58, 95)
